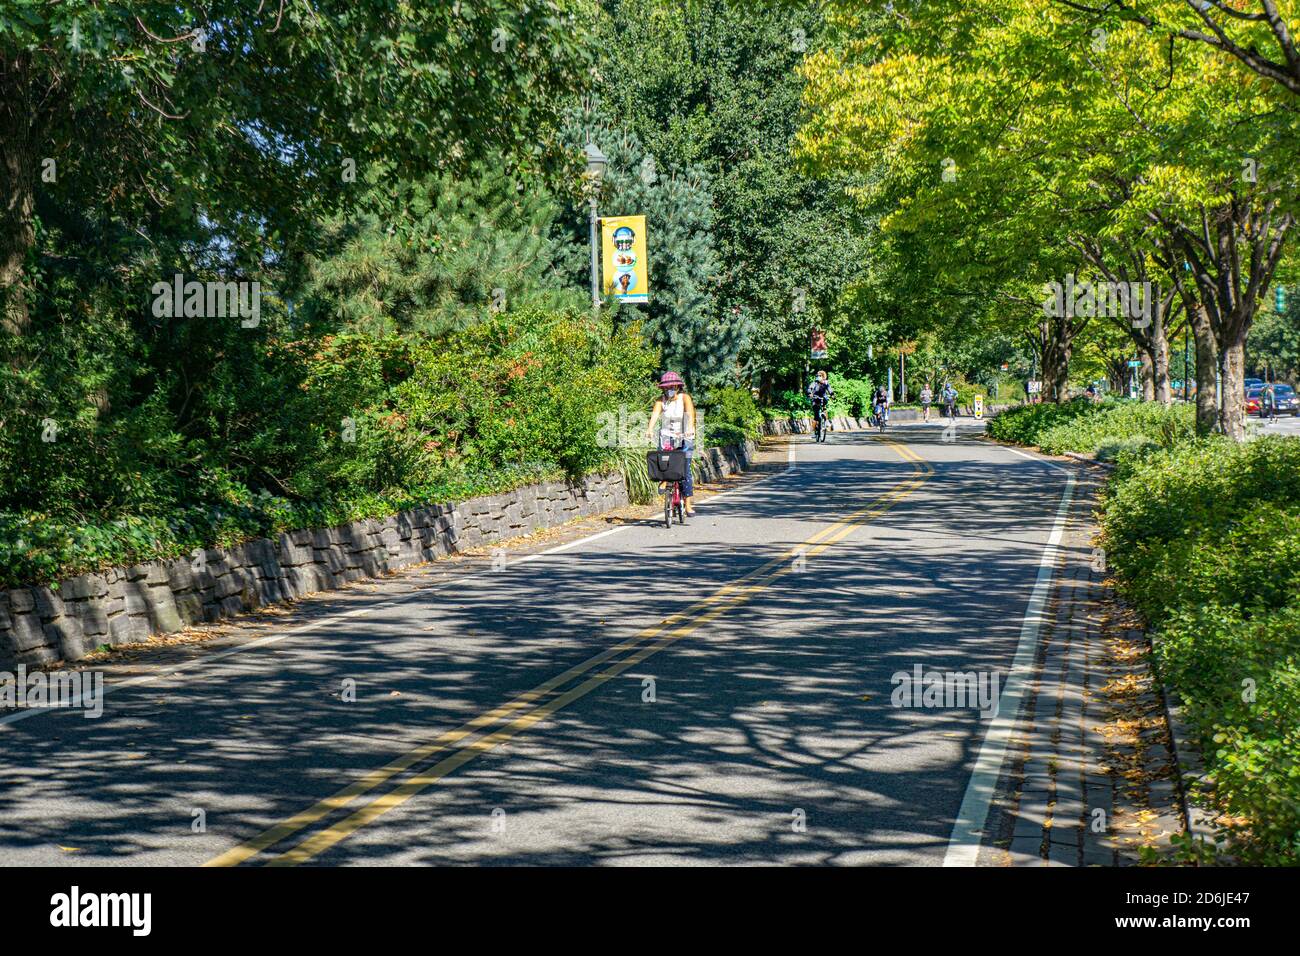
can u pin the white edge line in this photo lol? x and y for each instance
(967, 831)
(565, 547)
(170, 671)
(1041, 461)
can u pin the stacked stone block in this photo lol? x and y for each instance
(129, 605)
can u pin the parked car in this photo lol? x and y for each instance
(1284, 400)
(1254, 383)
(1252, 399)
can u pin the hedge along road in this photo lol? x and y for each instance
(718, 693)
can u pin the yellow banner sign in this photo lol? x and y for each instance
(623, 246)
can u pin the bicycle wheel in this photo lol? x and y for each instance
(668, 506)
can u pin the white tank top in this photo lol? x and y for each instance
(672, 420)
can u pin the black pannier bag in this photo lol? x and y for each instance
(666, 465)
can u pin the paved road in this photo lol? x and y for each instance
(1285, 425)
(502, 716)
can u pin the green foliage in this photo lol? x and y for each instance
(1205, 540)
(248, 119)
(1205, 484)
(1274, 343)
(733, 409)
(374, 423)
(852, 396)
(683, 318)
(1107, 428)
(1118, 424)
(714, 85)
(438, 254)
(631, 463)
(1026, 424)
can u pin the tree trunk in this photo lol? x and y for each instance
(1232, 412)
(18, 164)
(1148, 375)
(1161, 371)
(1207, 365)
(1057, 346)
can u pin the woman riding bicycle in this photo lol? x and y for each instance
(674, 413)
(820, 394)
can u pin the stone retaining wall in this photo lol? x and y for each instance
(804, 426)
(129, 605)
(715, 463)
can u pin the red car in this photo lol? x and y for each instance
(1252, 399)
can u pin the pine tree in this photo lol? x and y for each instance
(439, 254)
(683, 318)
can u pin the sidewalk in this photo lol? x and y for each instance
(1089, 780)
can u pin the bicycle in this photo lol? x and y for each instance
(822, 425)
(881, 412)
(668, 467)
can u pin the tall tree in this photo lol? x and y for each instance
(697, 335)
(714, 85)
(255, 118)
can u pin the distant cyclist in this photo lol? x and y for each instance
(927, 396)
(820, 393)
(950, 401)
(880, 406)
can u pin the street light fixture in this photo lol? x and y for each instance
(596, 164)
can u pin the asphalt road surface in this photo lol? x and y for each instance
(717, 693)
(1282, 425)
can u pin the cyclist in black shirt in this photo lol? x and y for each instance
(820, 393)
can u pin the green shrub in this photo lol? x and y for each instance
(732, 408)
(1199, 486)
(373, 424)
(852, 396)
(1112, 449)
(721, 433)
(1120, 423)
(1204, 537)
(1026, 424)
(1239, 679)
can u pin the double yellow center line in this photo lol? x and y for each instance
(477, 736)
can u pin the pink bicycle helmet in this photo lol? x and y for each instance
(671, 380)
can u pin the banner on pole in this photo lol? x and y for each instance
(623, 247)
(817, 344)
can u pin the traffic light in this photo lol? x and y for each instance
(1279, 299)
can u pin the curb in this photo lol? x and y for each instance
(1198, 821)
(1089, 460)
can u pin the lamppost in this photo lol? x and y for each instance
(596, 163)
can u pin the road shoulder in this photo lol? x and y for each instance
(1090, 778)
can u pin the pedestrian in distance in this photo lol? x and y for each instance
(927, 396)
(1268, 403)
